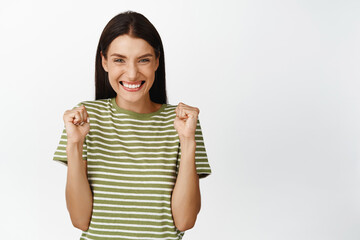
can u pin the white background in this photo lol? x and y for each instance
(277, 85)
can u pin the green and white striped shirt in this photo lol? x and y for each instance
(132, 163)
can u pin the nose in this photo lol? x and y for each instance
(131, 71)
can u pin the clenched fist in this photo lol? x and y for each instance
(185, 121)
(76, 124)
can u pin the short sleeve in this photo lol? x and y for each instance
(60, 152)
(201, 160)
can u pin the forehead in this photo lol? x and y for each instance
(126, 45)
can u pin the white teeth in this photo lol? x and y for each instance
(131, 85)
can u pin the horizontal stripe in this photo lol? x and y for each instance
(129, 163)
(129, 237)
(137, 153)
(133, 194)
(125, 181)
(138, 232)
(131, 169)
(132, 175)
(133, 206)
(133, 188)
(133, 225)
(114, 219)
(117, 145)
(149, 158)
(142, 201)
(107, 125)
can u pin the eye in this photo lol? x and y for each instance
(119, 60)
(145, 60)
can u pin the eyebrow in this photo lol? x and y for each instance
(122, 56)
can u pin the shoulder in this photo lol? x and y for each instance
(170, 106)
(169, 109)
(99, 104)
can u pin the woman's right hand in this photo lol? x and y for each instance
(76, 124)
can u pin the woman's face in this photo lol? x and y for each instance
(131, 66)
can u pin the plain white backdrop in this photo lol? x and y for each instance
(277, 85)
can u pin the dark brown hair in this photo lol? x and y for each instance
(136, 25)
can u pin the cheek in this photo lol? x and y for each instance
(114, 73)
(149, 72)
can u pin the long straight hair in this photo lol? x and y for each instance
(138, 26)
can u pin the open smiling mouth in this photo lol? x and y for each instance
(133, 87)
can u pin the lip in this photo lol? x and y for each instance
(137, 82)
(132, 89)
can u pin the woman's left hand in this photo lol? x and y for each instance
(185, 121)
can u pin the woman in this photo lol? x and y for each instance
(124, 149)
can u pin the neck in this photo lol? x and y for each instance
(144, 105)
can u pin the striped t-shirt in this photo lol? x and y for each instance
(132, 164)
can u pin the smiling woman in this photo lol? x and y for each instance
(136, 29)
(123, 150)
(131, 68)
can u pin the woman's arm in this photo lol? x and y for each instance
(186, 199)
(78, 191)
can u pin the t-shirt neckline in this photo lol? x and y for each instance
(135, 114)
